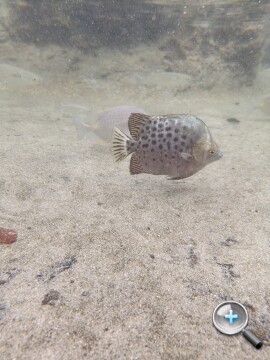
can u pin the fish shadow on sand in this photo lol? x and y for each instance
(162, 188)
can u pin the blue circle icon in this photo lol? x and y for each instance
(230, 317)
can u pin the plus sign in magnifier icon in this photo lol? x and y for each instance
(231, 318)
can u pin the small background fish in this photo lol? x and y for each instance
(14, 77)
(174, 145)
(106, 121)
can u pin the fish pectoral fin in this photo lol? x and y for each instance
(135, 166)
(135, 122)
(186, 156)
(119, 145)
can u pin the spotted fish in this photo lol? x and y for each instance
(173, 145)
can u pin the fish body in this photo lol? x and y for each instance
(173, 145)
(103, 127)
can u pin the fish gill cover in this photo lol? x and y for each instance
(201, 39)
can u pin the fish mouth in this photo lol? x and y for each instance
(219, 154)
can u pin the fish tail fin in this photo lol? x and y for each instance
(119, 145)
(81, 127)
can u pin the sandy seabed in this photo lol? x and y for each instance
(113, 266)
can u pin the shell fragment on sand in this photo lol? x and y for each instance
(7, 236)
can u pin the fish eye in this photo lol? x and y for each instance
(211, 152)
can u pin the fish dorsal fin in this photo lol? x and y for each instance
(135, 166)
(135, 123)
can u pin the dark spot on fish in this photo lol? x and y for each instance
(152, 150)
(176, 147)
(181, 150)
(183, 143)
(176, 130)
(149, 140)
(142, 131)
(184, 127)
(160, 146)
(154, 142)
(140, 141)
(160, 125)
(160, 135)
(128, 148)
(164, 140)
(153, 135)
(168, 128)
(169, 135)
(168, 145)
(145, 145)
(166, 155)
(147, 127)
(145, 137)
(184, 137)
(154, 159)
(154, 128)
(175, 139)
(173, 157)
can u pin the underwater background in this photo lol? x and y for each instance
(112, 266)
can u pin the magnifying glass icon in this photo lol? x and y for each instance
(231, 317)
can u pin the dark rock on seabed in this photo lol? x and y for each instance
(196, 39)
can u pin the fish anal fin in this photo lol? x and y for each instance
(135, 166)
(135, 122)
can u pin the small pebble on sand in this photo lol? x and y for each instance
(7, 236)
(51, 297)
(233, 120)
